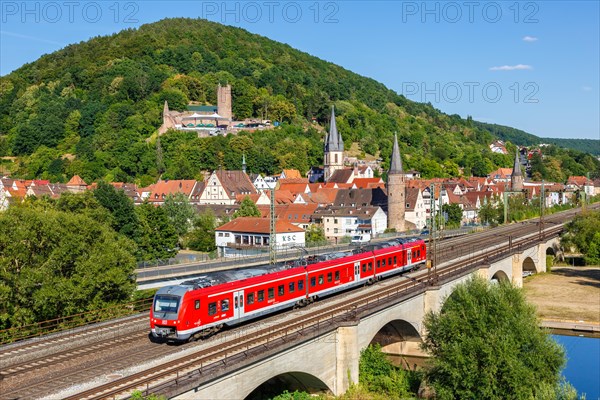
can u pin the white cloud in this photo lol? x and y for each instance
(27, 37)
(586, 88)
(529, 38)
(511, 67)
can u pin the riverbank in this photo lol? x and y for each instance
(566, 298)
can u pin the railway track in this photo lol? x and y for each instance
(218, 354)
(325, 319)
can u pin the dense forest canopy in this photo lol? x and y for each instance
(90, 109)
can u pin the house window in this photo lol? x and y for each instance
(407, 205)
(220, 234)
(335, 221)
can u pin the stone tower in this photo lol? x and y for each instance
(224, 103)
(396, 187)
(334, 149)
(516, 179)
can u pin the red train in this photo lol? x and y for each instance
(202, 306)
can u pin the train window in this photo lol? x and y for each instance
(197, 304)
(364, 267)
(329, 277)
(300, 285)
(313, 281)
(383, 262)
(390, 261)
(370, 266)
(337, 275)
(212, 308)
(418, 253)
(261, 295)
(225, 305)
(241, 300)
(235, 303)
(395, 262)
(280, 290)
(271, 293)
(291, 287)
(378, 263)
(250, 298)
(320, 279)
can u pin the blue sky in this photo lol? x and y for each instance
(530, 65)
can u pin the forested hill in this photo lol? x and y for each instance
(89, 108)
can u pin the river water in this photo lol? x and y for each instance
(583, 364)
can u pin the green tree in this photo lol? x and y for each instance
(180, 212)
(158, 238)
(486, 344)
(247, 209)
(582, 235)
(454, 214)
(315, 234)
(56, 263)
(377, 374)
(202, 236)
(125, 219)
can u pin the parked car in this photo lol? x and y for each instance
(361, 239)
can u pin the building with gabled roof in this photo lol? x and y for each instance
(162, 189)
(223, 187)
(339, 222)
(290, 174)
(76, 184)
(251, 235)
(296, 214)
(416, 216)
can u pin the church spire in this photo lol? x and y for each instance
(334, 140)
(244, 162)
(396, 161)
(517, 165)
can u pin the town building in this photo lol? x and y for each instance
(339, 222)
(223, 187)
(250, 235)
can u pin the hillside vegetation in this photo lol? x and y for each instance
(89, 109)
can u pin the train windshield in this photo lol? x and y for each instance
(166, 304)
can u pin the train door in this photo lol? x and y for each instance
(357, 271)
(238, 304)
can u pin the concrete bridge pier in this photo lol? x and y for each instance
(348, 355)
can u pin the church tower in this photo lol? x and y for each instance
(396, 187)
(516, 179)
(334, 149)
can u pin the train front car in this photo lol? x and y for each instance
(165, 313)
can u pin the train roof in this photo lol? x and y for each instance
(215, 278)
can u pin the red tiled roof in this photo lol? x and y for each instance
(76, 181)
(291, 173)
(258, 225)
(364, 183)
(294, 188)
(163, 188)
